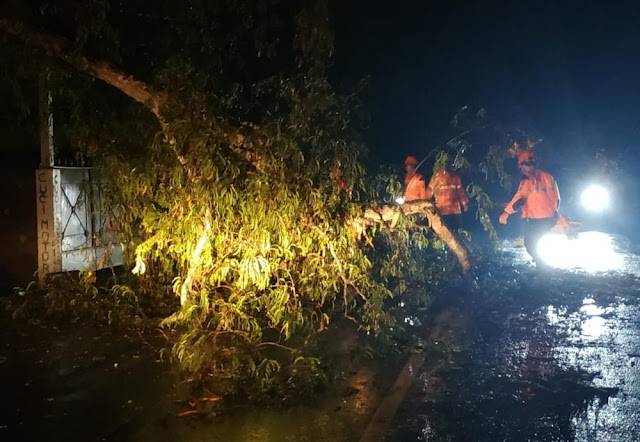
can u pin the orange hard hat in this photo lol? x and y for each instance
(525, 155)
(411, 160)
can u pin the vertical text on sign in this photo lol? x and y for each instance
(49, 229)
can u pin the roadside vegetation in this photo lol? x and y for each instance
(236, 174)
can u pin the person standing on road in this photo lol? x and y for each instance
(539, 198)
(451, 198)
(416, 189)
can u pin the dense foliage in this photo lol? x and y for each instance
(240, 200)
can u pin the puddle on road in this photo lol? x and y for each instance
(548, 357)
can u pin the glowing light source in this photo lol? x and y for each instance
(400, 200)
(595, 198)
(590, 251)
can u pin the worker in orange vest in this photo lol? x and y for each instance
(539, 197)
(416, 189)
(451, 198)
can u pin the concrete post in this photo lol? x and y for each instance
(48, 193)
(46, 126)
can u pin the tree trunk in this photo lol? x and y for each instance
(239, 139)
(59, 47)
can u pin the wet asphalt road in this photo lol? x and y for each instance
(535, 355)
(530, 355)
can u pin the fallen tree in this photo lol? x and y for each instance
(158, 103)
(223, 192)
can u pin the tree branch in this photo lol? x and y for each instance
(427, 208)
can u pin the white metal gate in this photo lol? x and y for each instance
(86, 240)
(73, 222)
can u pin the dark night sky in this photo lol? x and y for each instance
(567, 70)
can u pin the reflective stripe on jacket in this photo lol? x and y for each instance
(447, 189)
(416, 188)
(540, 195)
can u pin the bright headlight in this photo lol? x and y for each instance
(595, 198)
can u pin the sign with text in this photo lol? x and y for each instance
(49, 229)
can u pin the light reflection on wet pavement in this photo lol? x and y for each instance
(534, 356)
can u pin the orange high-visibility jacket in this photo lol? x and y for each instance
(540, 194)
(447, 188)
(416, 188)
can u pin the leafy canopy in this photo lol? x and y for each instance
(240, 199)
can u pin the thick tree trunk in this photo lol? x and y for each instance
(239, 140)
(60, 48)
(390, 214)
